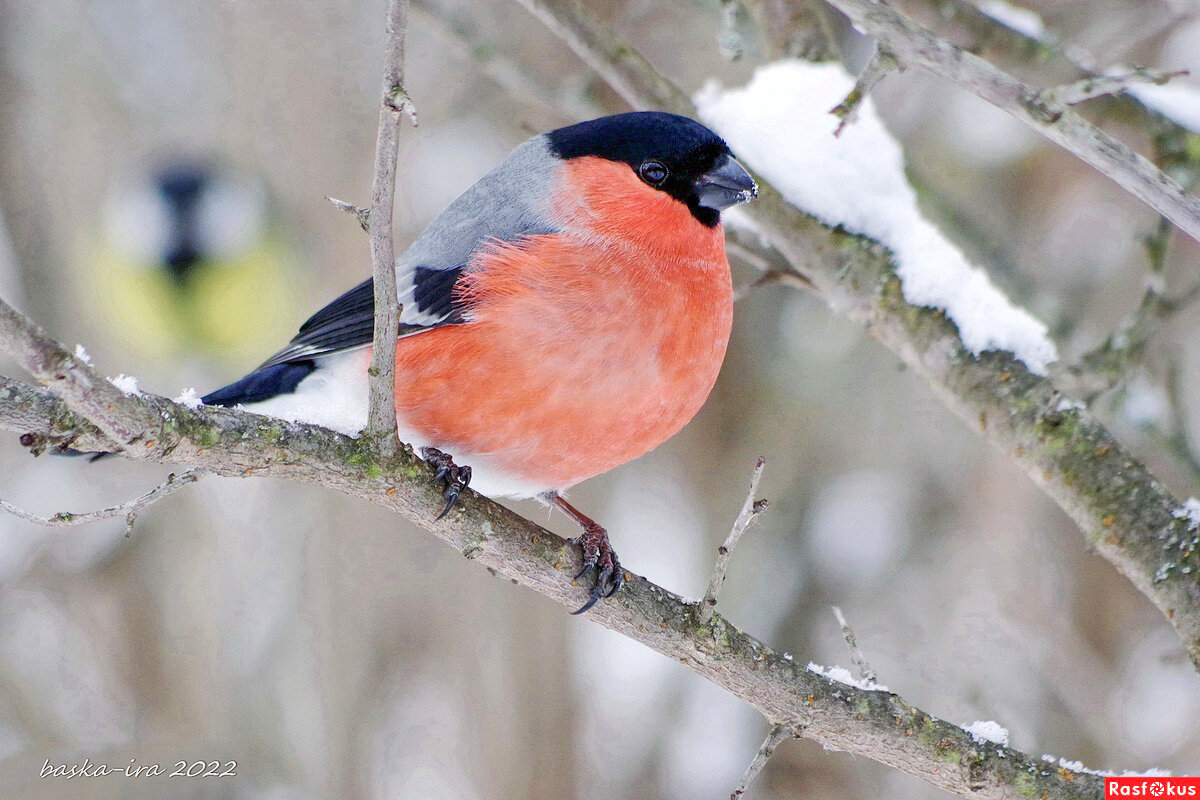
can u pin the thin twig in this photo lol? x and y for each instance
(517, 78)
(882, 63)
(129, 509)
(1090, 88)
(395, 103)
(1105, 366)
(856, 654)
(914, 44)
(363, 215)
(775, 737)
(751, 508)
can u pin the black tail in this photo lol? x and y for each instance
(262, 384)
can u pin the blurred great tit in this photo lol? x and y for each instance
(190, 264)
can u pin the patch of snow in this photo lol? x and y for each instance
(1067, 404)
(1190, 510)
(188, 398)
(842, 675)
(126, 383)
(1021, 20)
(985, 731)
(1077, 766)
(82, 354)
(781, 126)
(1178, 101)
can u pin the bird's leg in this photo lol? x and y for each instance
(598, 554)
(457, 478)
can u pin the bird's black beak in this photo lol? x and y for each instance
(725, 185)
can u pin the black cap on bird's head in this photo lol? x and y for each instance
(671, 153)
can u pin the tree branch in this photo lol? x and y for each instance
(876, 725)
(913, 44)
(1124, 511)
(751, 508)
(775, 737)
(381, 416)
(63, 519)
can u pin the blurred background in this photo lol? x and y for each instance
(163, 168)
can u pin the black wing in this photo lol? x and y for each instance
(348, 322)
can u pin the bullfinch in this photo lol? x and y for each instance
(567, 314)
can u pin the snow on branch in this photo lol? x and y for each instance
(781, 126)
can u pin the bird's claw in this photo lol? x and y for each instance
(598, 555)
(457, 478)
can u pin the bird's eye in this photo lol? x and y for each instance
(653, 173)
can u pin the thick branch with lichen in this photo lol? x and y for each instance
(1124, 511)
(877, 725)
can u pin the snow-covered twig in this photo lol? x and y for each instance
(775, 737)
(856, 654)
(913, 44)
(751, 508)
(394, 105)
(62, 519)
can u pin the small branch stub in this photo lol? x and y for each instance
(358, 212)
(776, 737)
(881, 64)
(1091, 87)
(751, 508)
(856, 654)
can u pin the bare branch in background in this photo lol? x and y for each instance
(881, 64)
(775, 737)
(856, 654)
(1124, 511)
(751, 508)
(1106, 365)
(913, 44)
(1017, 49)
(381, 415)
(1090, 88)
(63, 519)
(520, 81)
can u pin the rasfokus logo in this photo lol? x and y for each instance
(1152, 786)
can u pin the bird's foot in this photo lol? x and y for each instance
(599, 556)
(457, 478)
